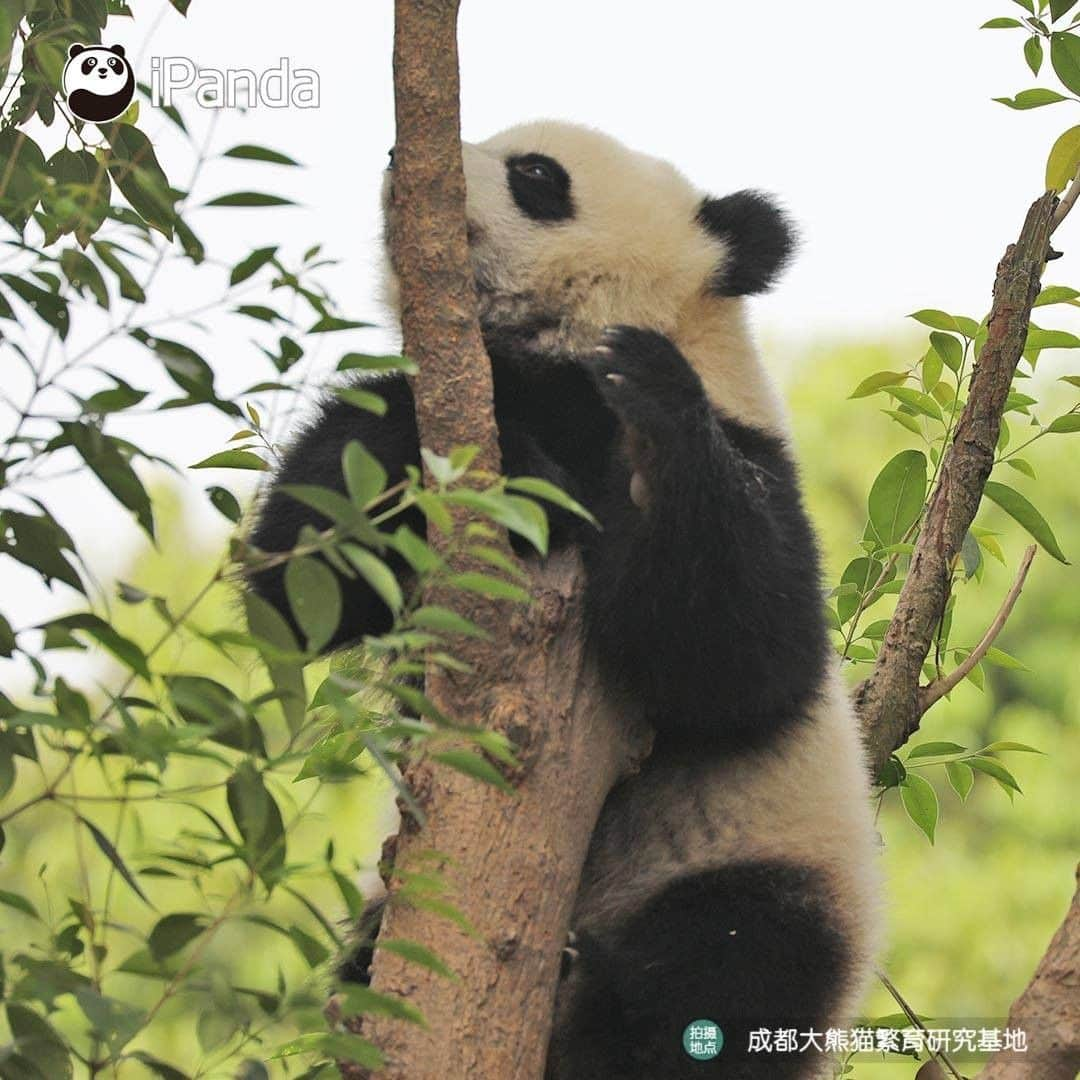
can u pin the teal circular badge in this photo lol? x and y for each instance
(703, 1039)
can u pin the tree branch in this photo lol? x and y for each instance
(940, 687)
(511, 863)
(1049, 1012)
(889, 702)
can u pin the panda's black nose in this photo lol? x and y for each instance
(391, 154)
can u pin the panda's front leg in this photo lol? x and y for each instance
(704, 597)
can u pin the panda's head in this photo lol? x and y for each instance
(570, 232)
(99, 82)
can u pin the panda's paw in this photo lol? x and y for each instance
(645, 380)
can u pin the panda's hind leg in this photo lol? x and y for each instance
(752, 945)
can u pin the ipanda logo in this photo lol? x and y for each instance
(99, 83)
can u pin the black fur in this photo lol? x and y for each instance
(691, 604)
(759, 236)
(750, 945)
(540, 187)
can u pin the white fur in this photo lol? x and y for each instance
(634, 254)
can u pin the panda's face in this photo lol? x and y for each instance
(571, 231)
(99, 71)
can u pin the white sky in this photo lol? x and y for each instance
(873, 123)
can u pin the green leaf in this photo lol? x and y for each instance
(19, 903)
(417, 954)
(365, 478)
(1033, 54)
(130, 289)
(444, 621)
(916, 399)
(37, 1043)
(135, 170)
(1065, 425)
(329, 324)
(314, 599)
(948, 348)
(331, 1044)
(486, 585)
(920, 802)
(123, 648)
(110, 852)
(268, 626)
(521, 516)
(961, 778)
(377, 574)
(474, 765)
(878, 381)
(364, 362)
(1002, 24)
(997, 747)
(1060, 7)
(935, 749)
(1064, 156)
(249, 199)
(1018, 508)
(904, 420)
(931, 368)
(259, 822)
(114, 1022)
(1033, 99)
(940, 320)
(362, 399)
(46, 305)
(1021, 466)
(362, 1000)
(897, 495)
(1056, 294)
(232, 459)
(225, 503)
(246, 268)
(1003, 660)
(996, 770)
(247, 152)
(82, 274)
(544, 489)
(110, 465)
(172, 932)
(1038, 338)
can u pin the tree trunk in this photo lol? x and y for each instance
(1049, 1012)
(511, 863)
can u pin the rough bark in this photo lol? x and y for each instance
(511, 863)
(1049, 1012)
(888, 702)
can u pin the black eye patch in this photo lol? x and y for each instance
(540, 187)
(88, 65)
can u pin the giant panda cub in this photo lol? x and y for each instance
(734, 877)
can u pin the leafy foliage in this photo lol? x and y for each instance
(89, 229)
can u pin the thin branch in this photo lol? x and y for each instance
(940, 687)
(916, 1022)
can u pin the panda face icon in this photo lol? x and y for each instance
(99, 83)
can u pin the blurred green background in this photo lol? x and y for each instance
(967, 918)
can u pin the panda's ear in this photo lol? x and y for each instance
(75, 49)
(118, 49)
(758, 236)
